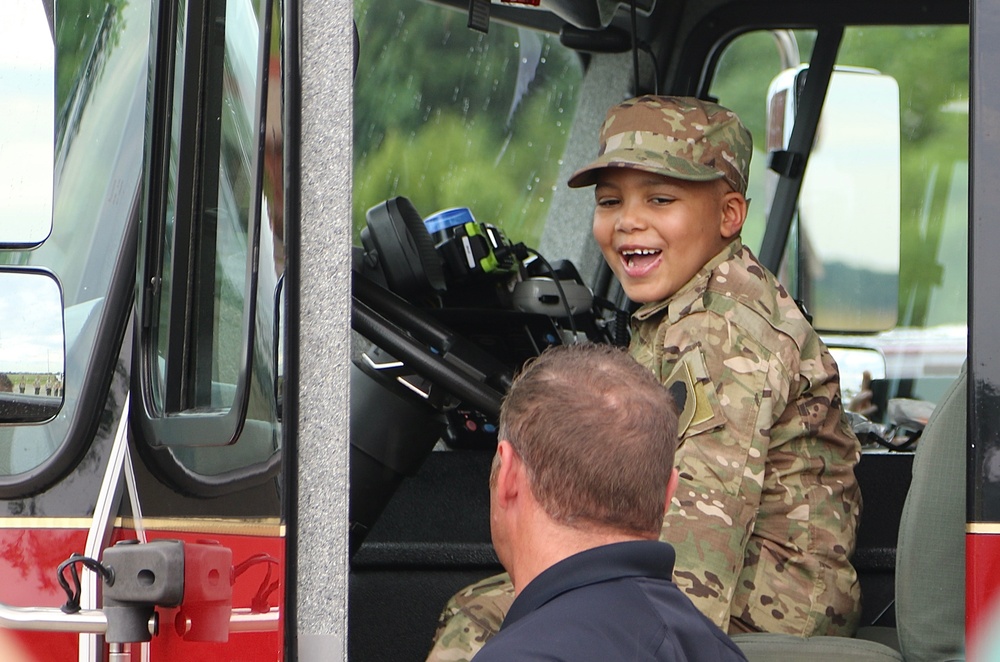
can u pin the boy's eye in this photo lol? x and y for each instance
(606, 201)
(662, 200)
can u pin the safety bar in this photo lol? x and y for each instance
(53, 619)
(94, 621)
(244, 620)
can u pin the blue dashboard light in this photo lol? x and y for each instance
(448, 218)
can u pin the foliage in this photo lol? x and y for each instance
(80, 25)
(440, 117)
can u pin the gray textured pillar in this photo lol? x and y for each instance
(567, 232)
(327, 92)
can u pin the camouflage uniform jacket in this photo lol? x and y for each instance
(765, 514)
(764, 518)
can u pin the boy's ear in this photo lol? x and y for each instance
(734, 213)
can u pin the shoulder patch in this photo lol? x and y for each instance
(693, 407)
(692, 401)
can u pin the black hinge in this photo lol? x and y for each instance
(479, 15)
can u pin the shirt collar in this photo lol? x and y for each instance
(634, 558)
(692, 291)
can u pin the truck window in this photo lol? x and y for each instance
(97, 163)
(210, 389)
(220, 196)
(922, 351)
(27, 59)
(450, 117)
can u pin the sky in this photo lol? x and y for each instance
(31, 330)
(851, 191)
(27, 95)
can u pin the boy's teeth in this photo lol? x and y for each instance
(629, 255)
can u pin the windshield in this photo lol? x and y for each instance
(450, 117)
(920, 343)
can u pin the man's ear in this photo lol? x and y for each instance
(671, 488)
(509, 475)
(734, 213)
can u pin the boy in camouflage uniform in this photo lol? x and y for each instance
(764, 518)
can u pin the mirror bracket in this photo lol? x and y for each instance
(479, 15)
(787, 164)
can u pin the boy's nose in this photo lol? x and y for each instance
(629, 219)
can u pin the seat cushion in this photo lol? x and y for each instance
(930, 556)
(769, 647)
(881, 634)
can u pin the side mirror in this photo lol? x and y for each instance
(843, 259)
(853, 362)
(32, 346)
(27, 124)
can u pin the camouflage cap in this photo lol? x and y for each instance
(680, 137)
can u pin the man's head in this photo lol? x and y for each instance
(670, 183)
(592, 434)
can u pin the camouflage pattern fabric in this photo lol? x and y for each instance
(470, 618)
(765, 515)
(681, 137)
(766, 512)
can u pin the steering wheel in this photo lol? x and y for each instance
(398, 241)
(392, 432)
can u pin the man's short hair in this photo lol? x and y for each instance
(597, 433)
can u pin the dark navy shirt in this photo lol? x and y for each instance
(615, 602)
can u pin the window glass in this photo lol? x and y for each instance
(101, 61)
(235, 203)
(246, 187)
(212, 244)
(921, 353)
(32, 350)
(27, 82)
(450, 117)
(170, 213)
(741, 82)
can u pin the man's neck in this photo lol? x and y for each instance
(540, 547)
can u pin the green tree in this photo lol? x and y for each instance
(450, 117)
(80, 25)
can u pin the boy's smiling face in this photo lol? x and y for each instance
(656, 232)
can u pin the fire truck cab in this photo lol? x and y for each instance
(268, 266)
